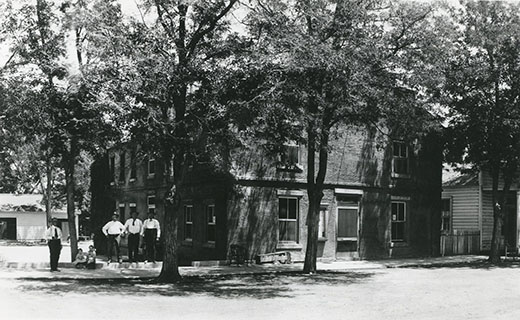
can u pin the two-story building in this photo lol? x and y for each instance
(380, 200)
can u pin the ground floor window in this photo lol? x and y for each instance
(151, 204)
(446, 215)
(398, 221)
(188, 222)
(122, 211)
(322, 228)
(211, 227)
(288, 212)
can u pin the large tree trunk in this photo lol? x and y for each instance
(71, 215)
(313, 220)
(170, 268)
(315, 190)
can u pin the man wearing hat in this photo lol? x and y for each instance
(151, 232)
(113, 230)
(53, 236)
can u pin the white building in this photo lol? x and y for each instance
(22, 217)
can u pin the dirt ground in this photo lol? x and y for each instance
(434, 293)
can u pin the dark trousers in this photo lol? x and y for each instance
(133, 246)
(55, 249)
(113, 242)
(149, 240)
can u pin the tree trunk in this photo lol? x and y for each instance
(315, 184)
(499, 200)
(313, 220)
(48, 191)
(71, 215)
(170, 268)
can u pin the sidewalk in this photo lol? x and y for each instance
(117, 271)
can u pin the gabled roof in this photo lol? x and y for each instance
(21, 202)
(462, 180)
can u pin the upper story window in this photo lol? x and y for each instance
(122, 165)
(401, 158)
(288, 212)
(133, 166)
(446, 215)
(151, 166)
(112, 168)
(290, 158)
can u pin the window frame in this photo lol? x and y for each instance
(122, 166)
(151, 205)
(404, 222)
(322, 234)
(186, 222)
(296, 220)
(122, 214)
(446, 214)
(285, 165)
(399, 157)
(133, 166)
(112, 168)
(212, 223)
(148, 167)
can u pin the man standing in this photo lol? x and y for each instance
(151, 232)
(53, 236)
(113, 230)
(133, 227)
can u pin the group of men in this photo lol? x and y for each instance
(149, 229)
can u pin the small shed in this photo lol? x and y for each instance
(22, 217)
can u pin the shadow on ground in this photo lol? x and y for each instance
(480, 264)
(237, 286)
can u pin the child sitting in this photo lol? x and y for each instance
(91, 257)
(81, 259)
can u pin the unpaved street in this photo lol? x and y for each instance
(437, 293)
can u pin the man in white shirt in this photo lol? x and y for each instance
(113, 230)
(53, 235)
(151, 232)
(133, 228)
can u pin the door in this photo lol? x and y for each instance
(347, 229)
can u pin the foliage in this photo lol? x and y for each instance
(483, 87)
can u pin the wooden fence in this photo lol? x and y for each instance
(460, 242)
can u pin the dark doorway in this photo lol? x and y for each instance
(8, 228)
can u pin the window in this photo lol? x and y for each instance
(188, 222)
(446, 215)
(122, 211)
(398, 221)
(288, 219)
(122, 166)
(211, 227)
(133, 166)
(401, 158)
(322, 228)
(112, 168)
(151, 204)
(133, 208)
(290, 155)
(151, 166)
